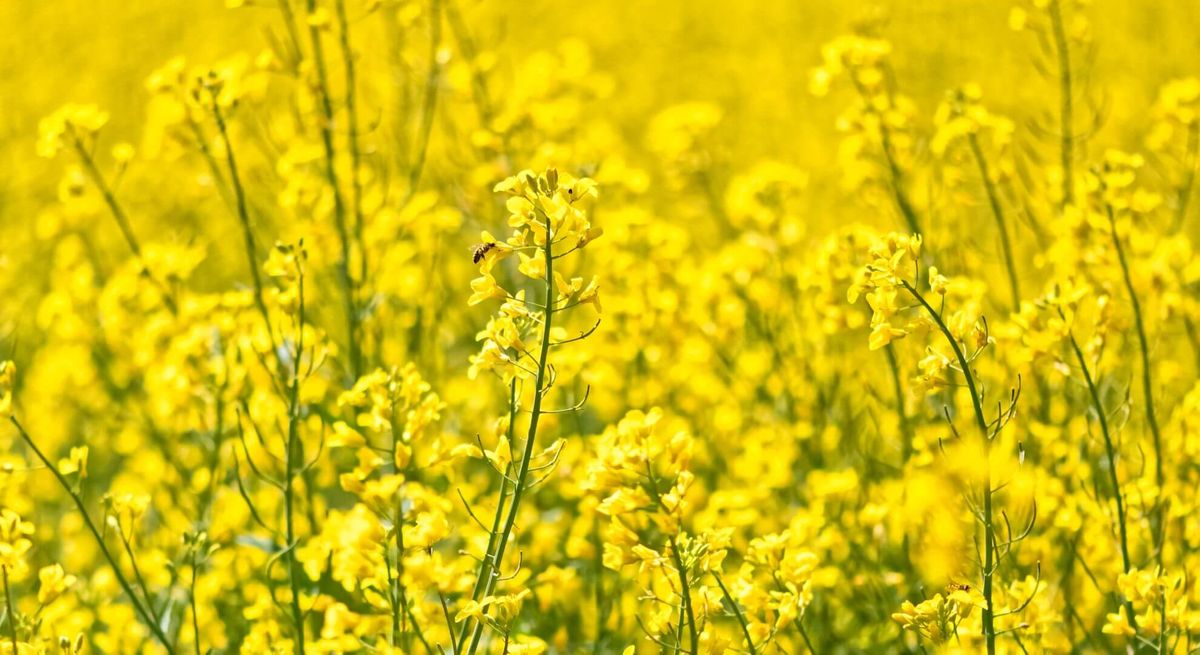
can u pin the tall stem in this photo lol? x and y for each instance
(350, 99)
(989, 539)
(1147, 382)
(293, 447)
(901, 412)
(429, 104)
(137, 574)
(339, 205)
(685, 593)
(993, 196)
(289, 22)
(737, 612)
(1189, 176)
(486, 567)
(195, 607)
(899, 195)
(118, 214)
(144, 615)
(12, 610)
(1111, 451)
(531, 436)
(243, 214)
(1066, 115)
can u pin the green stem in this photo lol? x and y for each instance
(1189, 179)
(339, 204)
(686, 594)
(118, 214)
(429, 105)
(289, 22)
(737, 611)
(889, 158)
(531, 436)
(12, 610)
(350, 99)
(155, 629)
(137, 575)
(243, 214)
(293, 446)
(998, 213)
(989, 545)
(901, 412)
(1110, 450)
(804, 634)
(1144, 347)
(1066, 102)
(485, 565)
(195, 607)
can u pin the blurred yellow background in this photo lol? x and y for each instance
(750, 57)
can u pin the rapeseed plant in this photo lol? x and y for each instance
(304, 348)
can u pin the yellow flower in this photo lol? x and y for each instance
(69, 125)
(1118, 624)
(485, 288)
(13, 539)
(76, 462)
(532, 266)
(8, 372)
(52, 583)
(883, 333)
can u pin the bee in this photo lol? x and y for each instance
(480, 250)
(957, 586)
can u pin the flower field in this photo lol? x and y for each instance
(455, 327)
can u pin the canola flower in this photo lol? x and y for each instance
(440, 327)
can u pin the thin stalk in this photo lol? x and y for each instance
(531, 436)
(737, 611)
(1189, 179)
(289, 22)
(486, 568)
(598, 591)
(902, 201)
(804, 635)
(398, 525)
(339, 203)
(976, 400)
(993, 197)
(195, 607)
(685, 593)
(209, 159)
(1144, 348)
(429, 105)
(350, 99)
(12, 610)
(889, 158)
(394, 583)
(137, 575)
(243, 214)
(479, 89)
(401, 596)
(118, 214)
(1066, 116)
(155, 629)
(1110, 450)
(289, 477)
(989, 545)
(901, 413)
(393, 597)
(449, 623)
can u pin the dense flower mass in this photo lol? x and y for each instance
(448, 327)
